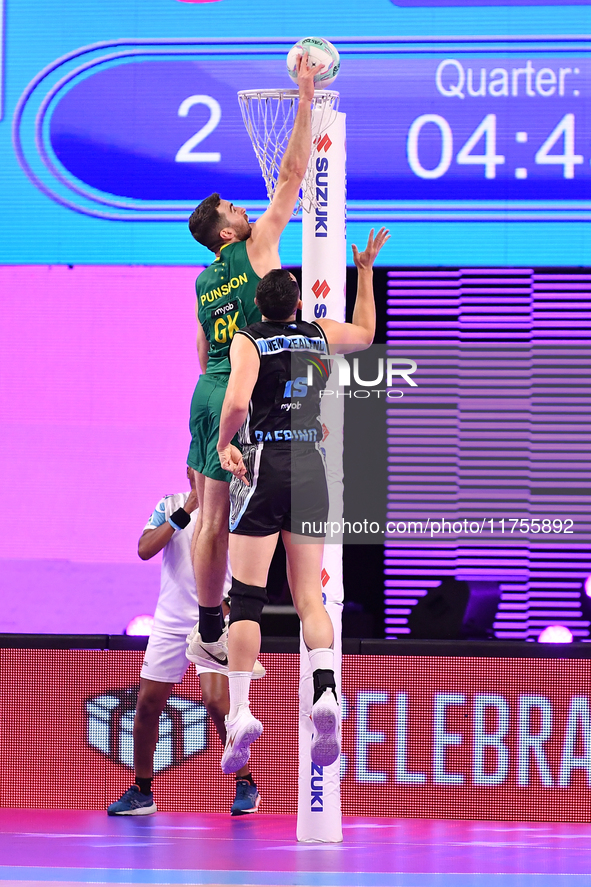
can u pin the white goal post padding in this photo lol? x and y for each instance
(324, 273)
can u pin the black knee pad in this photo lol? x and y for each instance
(246, 602)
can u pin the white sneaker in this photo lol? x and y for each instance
(258, 670)
(240, 734)
(326, 741)
(215, 654)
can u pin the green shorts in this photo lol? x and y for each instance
(204, 425)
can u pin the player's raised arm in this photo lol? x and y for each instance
(358, 335)
(267, 231)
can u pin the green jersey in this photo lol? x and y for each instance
(225, 298)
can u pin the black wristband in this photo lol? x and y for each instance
(180, 518)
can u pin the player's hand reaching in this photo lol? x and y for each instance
(306, 73)
(365, 260)
(231, 460)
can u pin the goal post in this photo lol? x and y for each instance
(268, 116)
(324, 275)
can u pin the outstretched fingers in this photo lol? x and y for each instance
(374, 245)
(382, 237)
(304, 63)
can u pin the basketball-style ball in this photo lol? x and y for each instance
(323, 55)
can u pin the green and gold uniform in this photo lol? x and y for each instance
(225, 299)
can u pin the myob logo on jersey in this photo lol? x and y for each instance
(225, 321)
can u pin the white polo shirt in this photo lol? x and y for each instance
(177, 610)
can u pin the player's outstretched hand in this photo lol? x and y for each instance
(231, 460)
(366, 259)
(306, 73)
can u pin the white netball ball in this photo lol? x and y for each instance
(323, 56)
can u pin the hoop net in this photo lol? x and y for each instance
(269, 115)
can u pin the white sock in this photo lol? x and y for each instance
(321, 657)
(239, 682)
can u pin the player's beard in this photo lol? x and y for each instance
(244, 233)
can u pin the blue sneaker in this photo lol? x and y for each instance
(247, 798)
(133, 803)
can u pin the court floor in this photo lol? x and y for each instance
(46, 847)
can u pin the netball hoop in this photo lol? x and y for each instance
(269, 116)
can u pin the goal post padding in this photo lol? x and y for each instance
(324, 271)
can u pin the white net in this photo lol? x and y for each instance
(269, 116)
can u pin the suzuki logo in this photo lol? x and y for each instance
(324, 577)
(317, 789)
(321, 214)
(324, 144)
(321, 289)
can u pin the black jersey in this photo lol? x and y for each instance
(285, 402)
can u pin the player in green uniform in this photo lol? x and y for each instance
(244, 253)
(225, 303)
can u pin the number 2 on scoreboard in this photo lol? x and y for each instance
(185, 153)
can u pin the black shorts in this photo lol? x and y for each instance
(287, 491)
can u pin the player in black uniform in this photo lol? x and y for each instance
(279, 485)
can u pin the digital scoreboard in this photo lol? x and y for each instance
(438, 128)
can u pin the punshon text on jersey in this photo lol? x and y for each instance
(225, 289)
